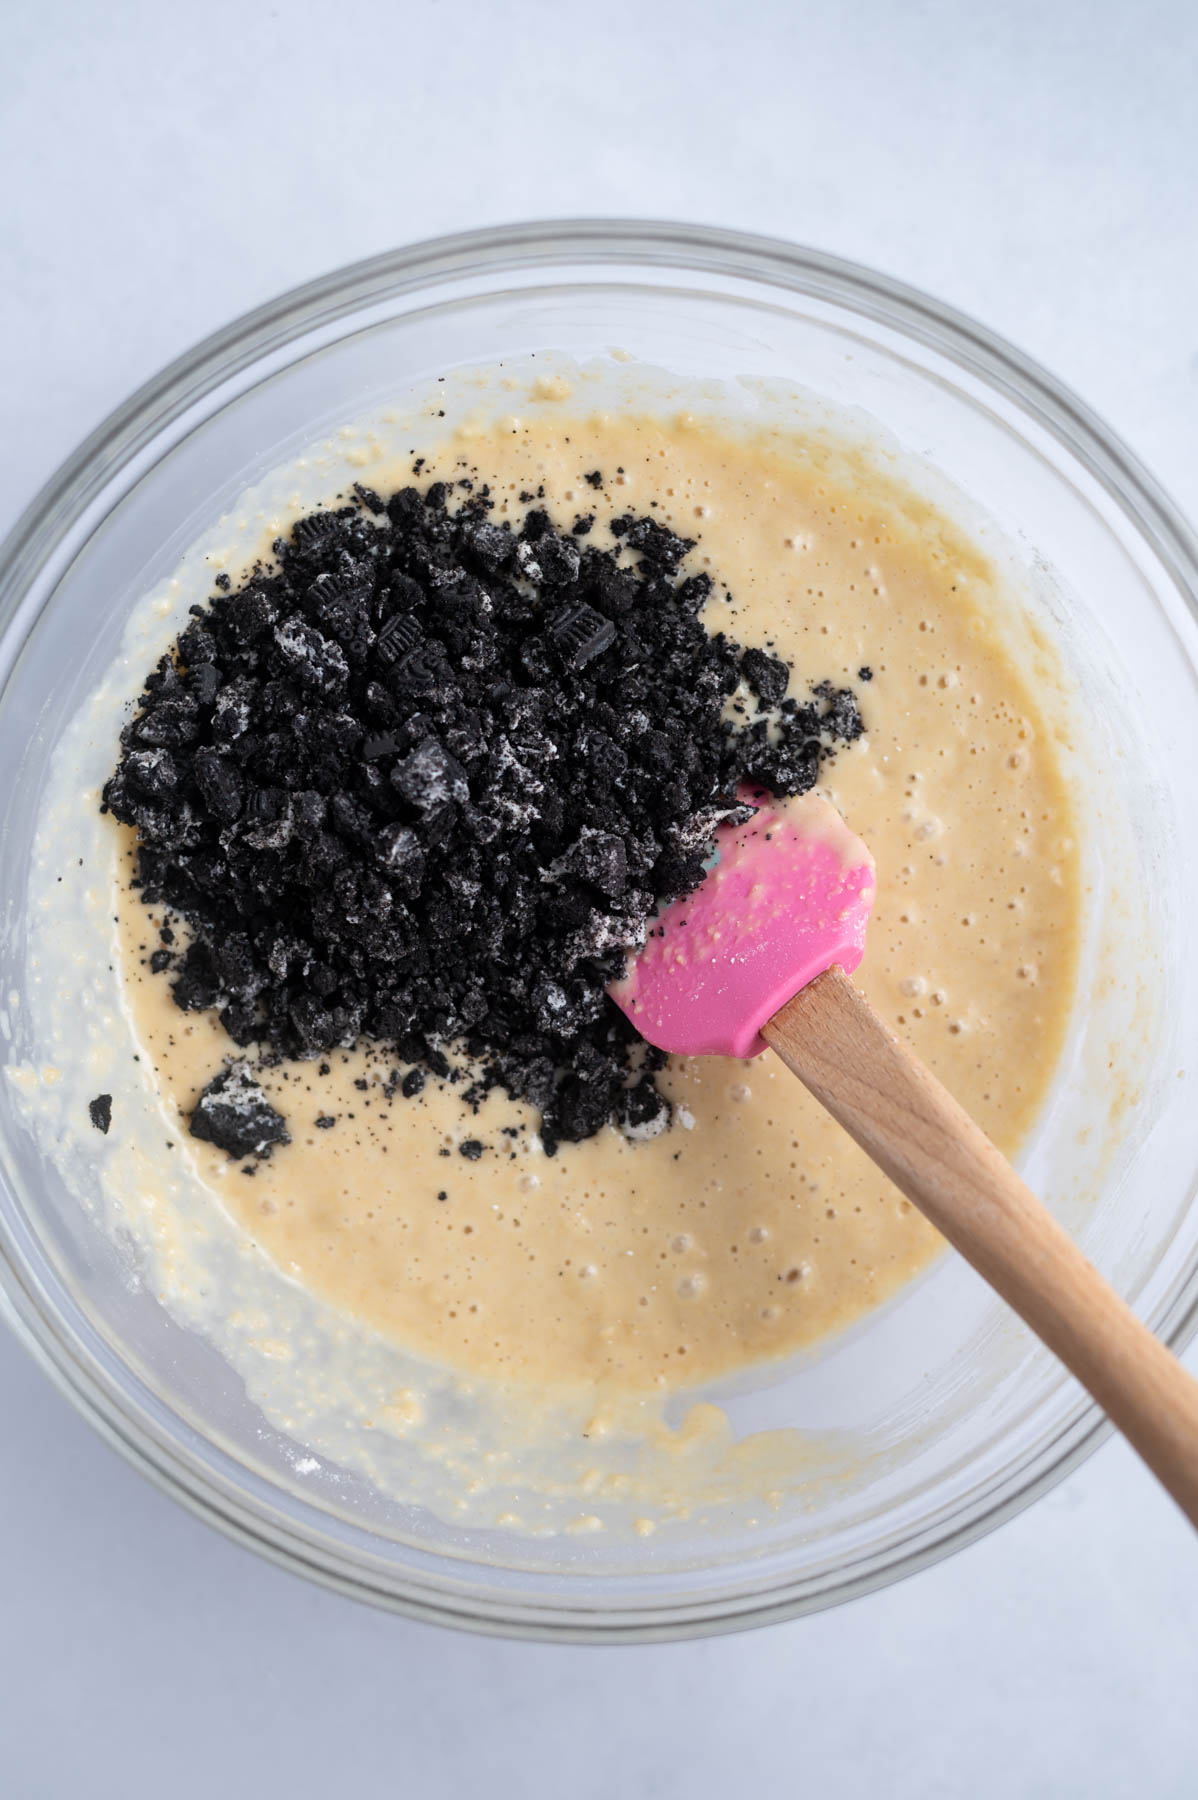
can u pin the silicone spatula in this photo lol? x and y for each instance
(760, 956)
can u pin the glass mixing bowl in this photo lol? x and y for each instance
(957, 1417)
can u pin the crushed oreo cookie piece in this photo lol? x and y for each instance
(768, 676)
(644, 1112)
(99, 1111)
(234, 1114)
(659, 548)
(424, 781)
(579, 633)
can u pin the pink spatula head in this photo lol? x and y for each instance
(789, 895)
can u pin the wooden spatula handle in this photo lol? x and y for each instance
(929, 1146)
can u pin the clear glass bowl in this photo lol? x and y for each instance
(957, 1417)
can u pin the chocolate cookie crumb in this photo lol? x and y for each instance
(99, 1111)
(767, 675)
(645, 1112)
(471, 1149)
(234, 1114)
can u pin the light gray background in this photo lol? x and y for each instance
(166, 166)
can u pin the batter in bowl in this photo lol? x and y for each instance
(752, 1227)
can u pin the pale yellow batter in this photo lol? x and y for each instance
(753, 1227)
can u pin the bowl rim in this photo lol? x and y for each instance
(60, 504)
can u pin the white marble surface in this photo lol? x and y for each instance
(167, 167)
